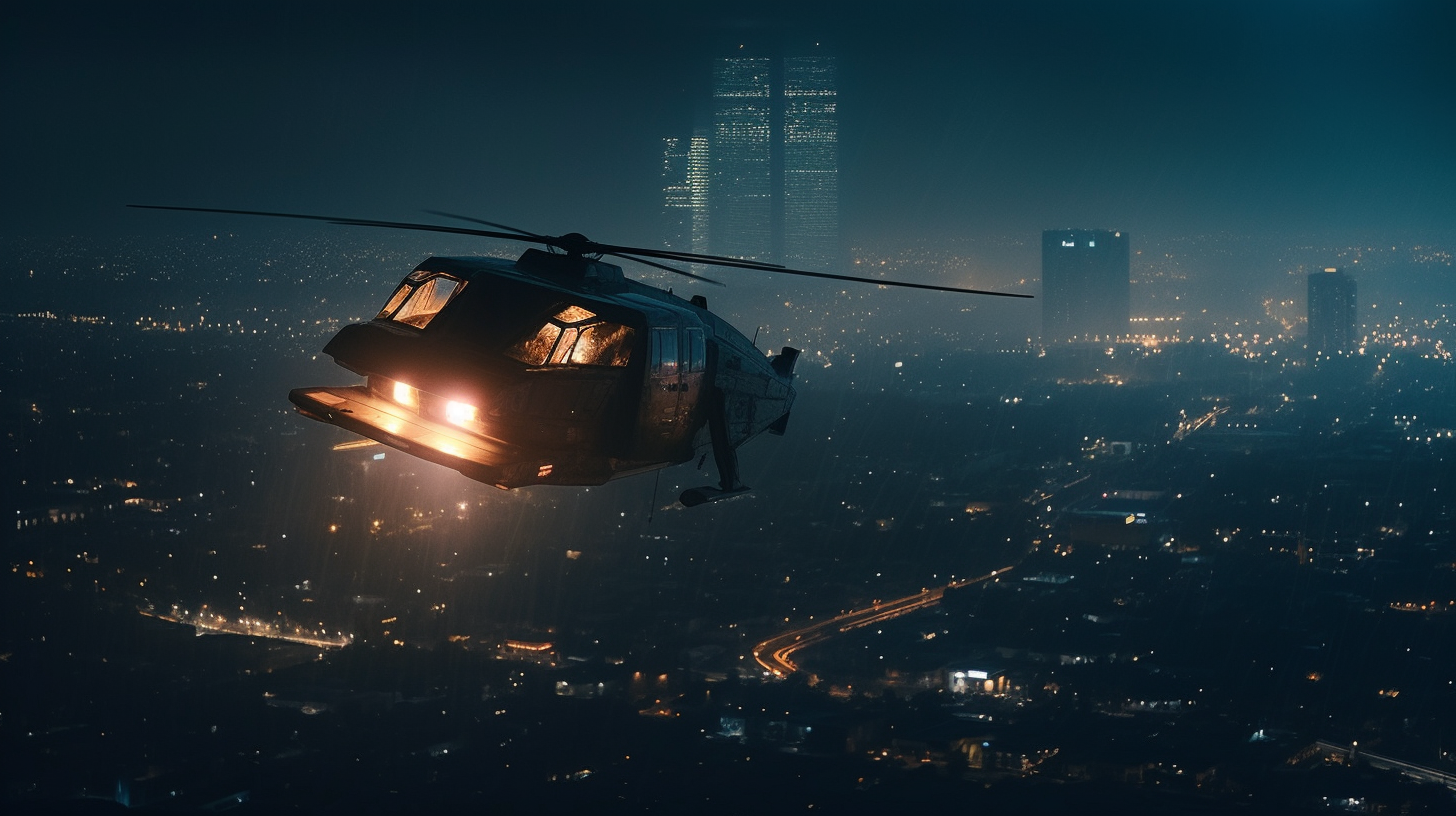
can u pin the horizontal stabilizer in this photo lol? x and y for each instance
(694, 496)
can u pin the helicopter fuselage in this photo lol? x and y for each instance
(551, 369)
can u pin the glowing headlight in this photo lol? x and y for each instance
(406, 395)
(460, 413)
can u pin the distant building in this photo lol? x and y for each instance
(1120, 519)
(1084, 283)
(811, 162)
(976, 680)
(677, 206)
(762, 181)
(685, 193)
(1331, 313)
(698, 175)
(740, 191)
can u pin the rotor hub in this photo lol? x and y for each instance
(574, 243)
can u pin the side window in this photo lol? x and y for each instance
(697, 351)
(603, 344)
(575, 336)
(664, 352)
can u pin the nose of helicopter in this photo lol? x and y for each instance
(395, 423)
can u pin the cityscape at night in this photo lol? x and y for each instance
(1173, 535)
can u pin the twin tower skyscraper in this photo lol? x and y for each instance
(759, 178)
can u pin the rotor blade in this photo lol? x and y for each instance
(668, 268)
(483, 222)
(584, 247)
(878, 282)
(688, 257)
(359, 222)
(742, 263)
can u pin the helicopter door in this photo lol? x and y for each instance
(694, 363)
(660, 413)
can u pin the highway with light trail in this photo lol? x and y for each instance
(775, 654)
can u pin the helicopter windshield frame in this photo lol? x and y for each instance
(420, 297)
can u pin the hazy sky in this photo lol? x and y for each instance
(956, 118)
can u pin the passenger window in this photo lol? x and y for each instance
(697, 352)
(664, 352)
(575, 336)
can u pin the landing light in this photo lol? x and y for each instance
(460, 413)
(406, 395)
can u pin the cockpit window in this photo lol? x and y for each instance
(574, 314)
(575, 336)
(420, 298)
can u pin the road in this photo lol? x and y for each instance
(775, 654)
(211, 623)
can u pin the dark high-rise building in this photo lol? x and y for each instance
(1331, 313)
(1084, 285)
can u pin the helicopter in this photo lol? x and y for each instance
(556, 368)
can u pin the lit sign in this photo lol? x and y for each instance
(1069, 243)
(977, 675)
(378, 456)
(1091, 243)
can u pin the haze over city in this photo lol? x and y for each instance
(1173, 535)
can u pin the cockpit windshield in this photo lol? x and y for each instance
(575, 336)
(421, 297)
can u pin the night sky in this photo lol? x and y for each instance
(956, 119)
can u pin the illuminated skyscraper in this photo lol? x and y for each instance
(740, 186)
(1084, 285)
(763, 181)
(698, 175)
(677, 208)
(685, 193)
(1331, 313)
(811, 162)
